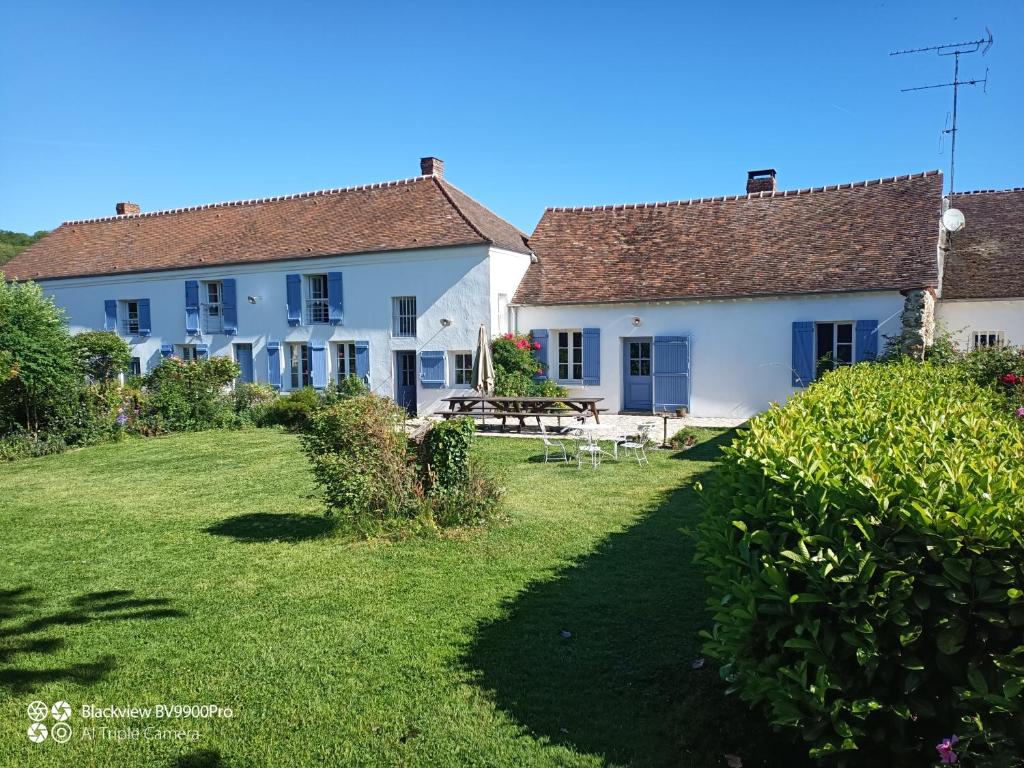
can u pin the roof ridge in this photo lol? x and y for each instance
(445, 183)
(987, 191)
(748, 196)
(253, 201)
(462, 213)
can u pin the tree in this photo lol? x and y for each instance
(102, 355)
(13, 243)
(40, 367)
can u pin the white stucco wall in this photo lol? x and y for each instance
(507, 270)
(448, 283)
(740, 350)
(961, 318)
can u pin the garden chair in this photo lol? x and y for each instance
(552, 448)
(638, 443)
(587, 447)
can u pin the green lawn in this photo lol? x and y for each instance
(197, 569)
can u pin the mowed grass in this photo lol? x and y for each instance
(198, 569)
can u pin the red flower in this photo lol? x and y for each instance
(536, 345)
(1010, 378)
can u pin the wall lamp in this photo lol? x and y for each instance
(637, 321)
(445, 322)
(253, 299)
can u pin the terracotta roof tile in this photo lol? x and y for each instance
(423, 212)
(986, 260)
(869, 235)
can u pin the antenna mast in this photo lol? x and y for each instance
(955, 50)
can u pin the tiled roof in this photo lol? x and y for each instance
(869, 235)
(423, 212)
(986, 258)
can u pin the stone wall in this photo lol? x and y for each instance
(918, 322)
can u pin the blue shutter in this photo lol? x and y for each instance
(191, 307)
(540, 336)
(274, 364)
(110, 315)
(867, 340)
(145, 323)
(335, 298)
(363, 361)
(294, 286)
(591, 356)
(803, 353)
(202, 352)
(432, 369)
(166, 350)
(230, 300)
(318, 361)
(671, 372)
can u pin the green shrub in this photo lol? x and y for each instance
(361, 462)
(23, 445)
(865, 561)
(350, 386)
(252, 402)
(459, 491)
(515, 368)
(293, 410)
(182, 396)
(103, 355)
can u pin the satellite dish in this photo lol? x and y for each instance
(953, 220)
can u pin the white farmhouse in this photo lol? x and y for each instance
(389, 282)
(717, 305)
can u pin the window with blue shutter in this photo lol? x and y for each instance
(166, 350)
(202, 352)
(866, 347)
(293, 284)
(363, 361)
(803, 353)
(591, 356)
(110, 315)
(335, 298)
(145, 323)
(671, 372)
(432, 369)
(229, 297)
(274, 364)
(540, 336)
(318, 355)
(192, 307)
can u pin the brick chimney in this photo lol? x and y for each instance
(432, 166)
(760, 181)
(124, 209)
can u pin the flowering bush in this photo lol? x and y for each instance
(866, 567)
(515, 367)
(182, 396)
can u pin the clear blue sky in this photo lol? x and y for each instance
(176, 103)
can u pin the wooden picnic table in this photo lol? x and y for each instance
(521, 408)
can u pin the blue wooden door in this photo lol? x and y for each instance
(638, 384)
(405, 381)
(243, 356)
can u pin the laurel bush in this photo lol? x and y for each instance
(865, 558)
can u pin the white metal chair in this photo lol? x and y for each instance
(587, 447)
(552, 448)
(638, 443)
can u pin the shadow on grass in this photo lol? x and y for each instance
(23, 618)
(622, 685)
(202, 758)
(268, 526)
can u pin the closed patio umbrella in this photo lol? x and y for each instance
(483, 366)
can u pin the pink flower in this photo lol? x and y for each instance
(1010, 378)
(1020, 413)
(536, 345)
(945, 747)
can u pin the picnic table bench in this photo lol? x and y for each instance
(520, 408)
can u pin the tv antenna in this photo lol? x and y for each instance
(956, 50)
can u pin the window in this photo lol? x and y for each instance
(463, 369)
(213, 307)
(639, 358)
(130, 317)
(570, 355)
(833, 345)
(135, 367)
(346, 361)
(316, 299)
(403, 314)
(188, 353)
(299, 356)
(503, 313)
(984, 339)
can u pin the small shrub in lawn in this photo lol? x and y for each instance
(865, 561)
(685, 438)
(361, 461)
(459, 491)
(252, 402)
(23, 445)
